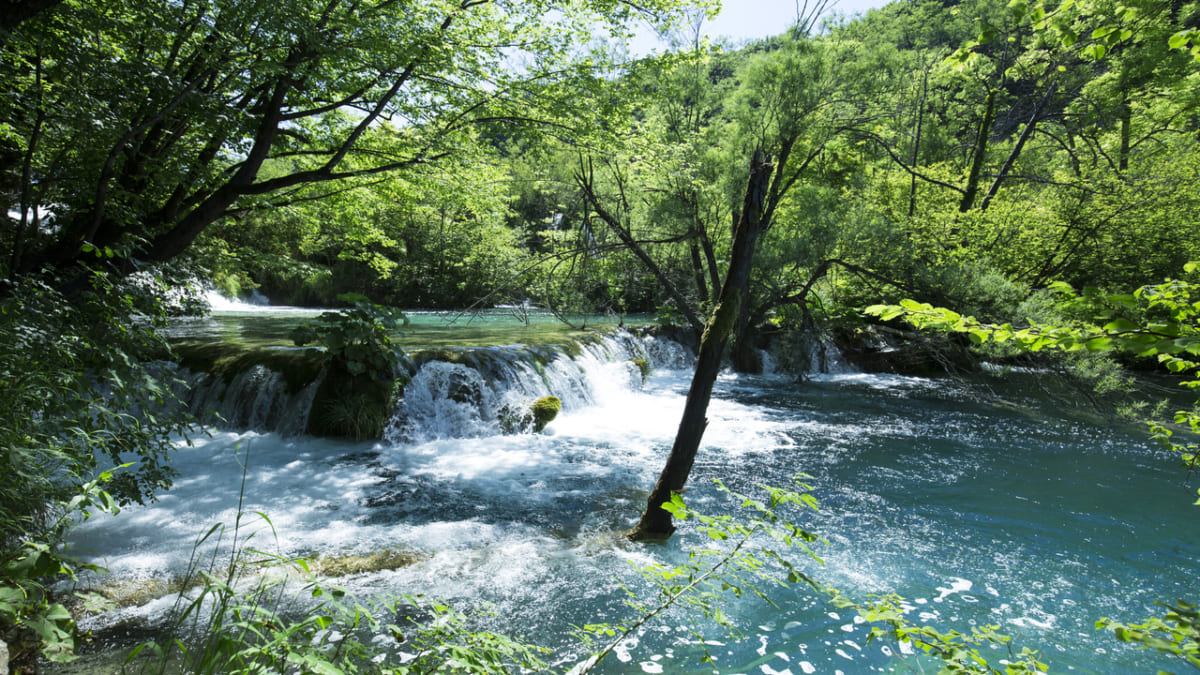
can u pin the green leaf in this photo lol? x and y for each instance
(987, 33)
(1120, 326)
(716, 534)
(1125, 300)
(914, 306)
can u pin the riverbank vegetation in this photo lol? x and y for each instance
(976, 155)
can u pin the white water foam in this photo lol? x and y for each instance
(222, 303)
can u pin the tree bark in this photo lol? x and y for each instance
(1126, 130)
(916, 146)
(655, 522)
(744, 355)
(977, 157)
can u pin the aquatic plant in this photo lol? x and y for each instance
(359, 416)
(357, 393)
(358, 338)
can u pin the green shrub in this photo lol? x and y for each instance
(356, 395)
(78, 385)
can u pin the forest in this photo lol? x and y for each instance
(1020, 178)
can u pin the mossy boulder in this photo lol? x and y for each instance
(535, 417)
(358, 563)
(351, 406)
(544, 410)
(299, 367)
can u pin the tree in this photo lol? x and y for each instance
(656, 521)
(151, 123)
(79, 390)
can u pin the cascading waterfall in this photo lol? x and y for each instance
(451, 393)
(826, 358)
(474, 396)
(258, 399)
(221, 303)
(808, 352)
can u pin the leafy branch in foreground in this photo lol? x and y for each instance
(33, 623)
(1176, 633)
(1160, 321)
(742, 559)
(79, 392)
(747, 555)
(958, 652)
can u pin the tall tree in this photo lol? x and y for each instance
(656, 521)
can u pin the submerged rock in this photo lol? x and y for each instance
(358, 563)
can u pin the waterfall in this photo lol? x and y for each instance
(220, 303)
(807, 352)
(256, 399)
(824, 357)
(475, 391)
(447, 393)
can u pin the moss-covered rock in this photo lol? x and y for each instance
(643, 366)
(351, 406)
(544, 410)
(535, 417)
(299, 367)
(358, 563)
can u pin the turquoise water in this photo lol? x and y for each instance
(976, 512)
(261, 325)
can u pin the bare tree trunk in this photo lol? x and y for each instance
(916, 146)
(977, 157)
(655, 522)
(1011, 160)
(744, 355)
(1126, 124)
(28, 226)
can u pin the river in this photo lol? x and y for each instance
(976, 511)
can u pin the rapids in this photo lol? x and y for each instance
(976, 513)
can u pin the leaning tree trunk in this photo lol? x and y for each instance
(977, 157)
(655, 521)
(745, 356)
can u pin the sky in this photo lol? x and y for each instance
(751, 19)
(742, 20)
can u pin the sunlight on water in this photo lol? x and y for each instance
(976, 515)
